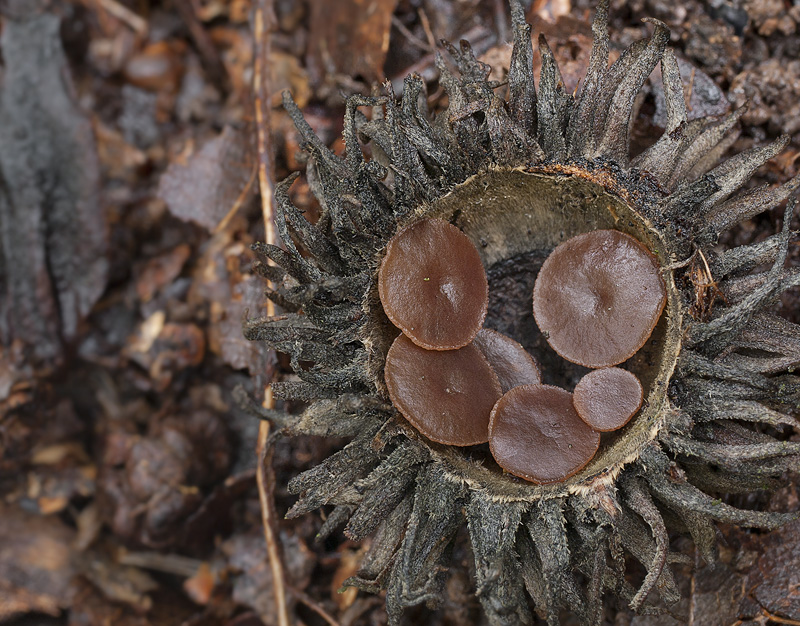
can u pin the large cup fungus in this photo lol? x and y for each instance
(513, 365)
(598, 297)
(606, 399)
(536, 434)
(432, 285)
(447, 395)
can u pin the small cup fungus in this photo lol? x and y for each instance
(447, 395)
(536, 434)
(509, 360)
(606, 399)
(598, 297)
(433, 286)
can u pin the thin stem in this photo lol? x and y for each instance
(263, 22)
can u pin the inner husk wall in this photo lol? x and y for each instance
(516, 218)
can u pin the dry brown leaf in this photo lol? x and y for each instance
(777, 578)
(35, 563)
(287, 73)
(158, 67)
(223, 281)
(349, 562)
(200, 586)
(160, 271)
(203, 188)
(349, 37)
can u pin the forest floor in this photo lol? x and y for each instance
(128, 490)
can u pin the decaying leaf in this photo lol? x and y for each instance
(53, 262)
(205, 187)
(351, 39)
(35, 567)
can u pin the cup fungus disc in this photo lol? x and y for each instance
(606, 399)
(536, 434)
(509, 360)
(446, 395)
(598, 297)
(433, 286)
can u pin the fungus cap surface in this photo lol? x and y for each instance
(447, 395)
(598, 297)
(433, 286)
(512, 364)
(536, 434)
(606, 399)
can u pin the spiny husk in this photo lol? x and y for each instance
(724, 393)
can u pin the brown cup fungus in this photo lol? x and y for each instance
(606, 399)
(598, 297)
(433, 286)
(447, 395)
(510, 361)
(536, 434)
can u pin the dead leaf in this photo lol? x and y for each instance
(205, 187)
(158, 67)
(223, 281)
(777, 578)
(200, 586)
(703, 96)
(549, 10)
(35, 563)
(118, 158)
(349, 37)
(349, 563)
(147, 333)
(161, 271)
(54, 266)
(287, 73)
(120, 583)
(251, 576)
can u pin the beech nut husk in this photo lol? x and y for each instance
(519, 171)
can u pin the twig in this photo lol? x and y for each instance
(689, 91)
(266, 479)
(779, 619)
(122, 13)
(309, 602)
(426, 26)
(693, 588)
(239, 201)
(500, 20)
(263, 22)
(412, 38)
(169, 563)
(208, 53)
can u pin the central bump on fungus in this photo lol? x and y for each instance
(447, 395)
(606, 399)
(598, 297)
(536, 434)
(509, 360)
(432, 285)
